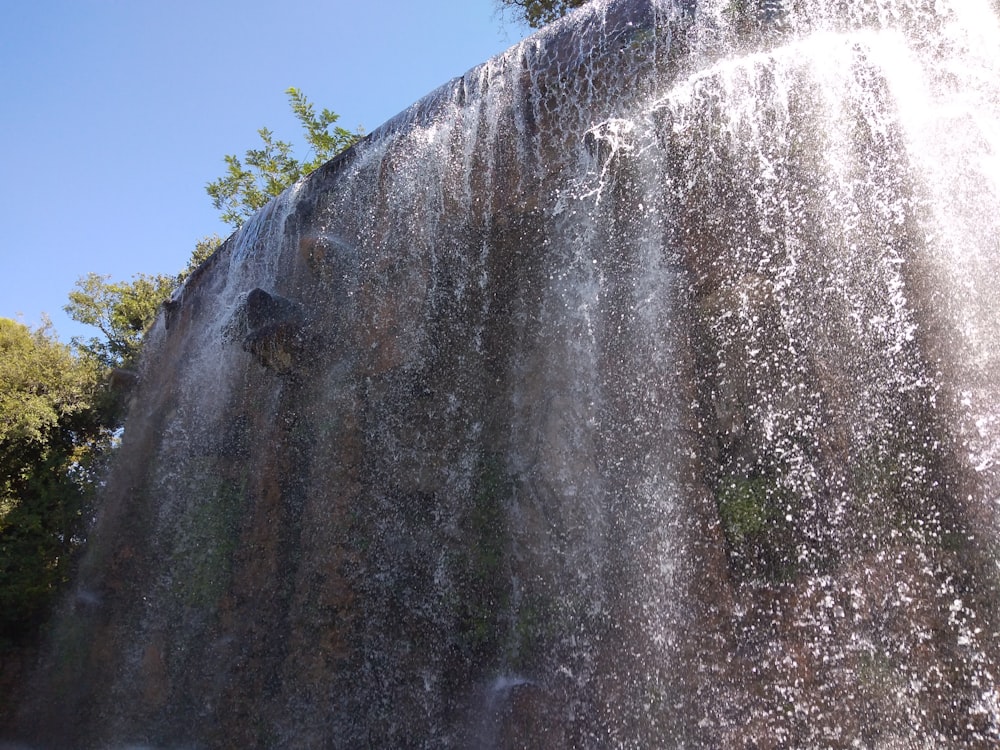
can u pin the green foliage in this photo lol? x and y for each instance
(207, 539)
(323, 143)
(538, 13)
(122, 311)
(485, 587)
(245, 189)
(759, 540)
(263, 173)
(743, 507)
(51, 435)
(203, 250)
(40, 383)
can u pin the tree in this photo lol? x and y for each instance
(51, 437)
(323, 144)
(203, 250)
(538, 13)
(122, 311)
(265, 172)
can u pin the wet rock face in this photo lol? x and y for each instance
(270, 328)
(636, 389)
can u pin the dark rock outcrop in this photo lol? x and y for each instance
(270, 328)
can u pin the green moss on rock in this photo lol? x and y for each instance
(206, 543)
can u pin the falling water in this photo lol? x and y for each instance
(637, 389)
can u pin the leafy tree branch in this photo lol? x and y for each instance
(250, 182)
(538, 13)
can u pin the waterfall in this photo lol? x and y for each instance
(638, 388)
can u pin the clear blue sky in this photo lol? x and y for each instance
(114, 114)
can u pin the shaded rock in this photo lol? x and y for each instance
(270, 328)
